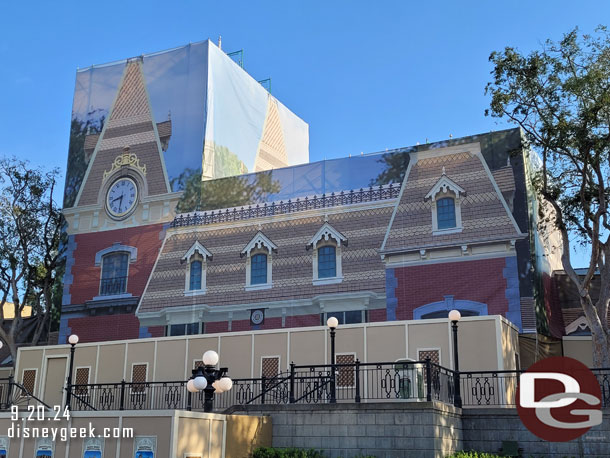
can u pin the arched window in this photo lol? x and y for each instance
(259, 253)
(258, 273)
(114, 274)
(196, 271)
(327, 261)
(196, 259)
(445, 213)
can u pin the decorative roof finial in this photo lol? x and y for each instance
(443, 171)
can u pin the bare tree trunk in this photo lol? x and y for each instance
(601, 350)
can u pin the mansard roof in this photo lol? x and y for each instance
(484, 212)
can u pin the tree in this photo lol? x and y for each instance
(30, 252)
(560, 97)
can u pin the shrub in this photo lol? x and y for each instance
(270, 452)
(473, 455)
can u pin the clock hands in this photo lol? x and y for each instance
(121, 201)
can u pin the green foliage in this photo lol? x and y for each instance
(560, 97)
(77, 162)
(472, 454)
(30, 250)
(396, 165)
(271, 452)
(228, 192)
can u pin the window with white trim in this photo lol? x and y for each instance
(114, 274)
(445, 197)
(196, 261)
(259, 262)
(327, 262)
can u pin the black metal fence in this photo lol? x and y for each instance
(114, 285)
(499, 388)
(356, 382)
(371, 194)
(15, 394)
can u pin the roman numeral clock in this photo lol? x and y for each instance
(121, 197)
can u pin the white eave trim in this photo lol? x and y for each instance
(326, 232)
(197, 248)
(259, 241)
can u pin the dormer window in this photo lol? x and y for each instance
(327, 263)
(258, 269)
(196, 260)
(195, 274)
(445, 197)
(259, 261)
(445, 213)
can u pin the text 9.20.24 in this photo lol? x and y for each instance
(40, 413)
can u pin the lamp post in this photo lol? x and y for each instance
(454, 317)
(332, 323)
(72, 340)
(208, 379)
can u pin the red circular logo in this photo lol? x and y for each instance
(559, 399)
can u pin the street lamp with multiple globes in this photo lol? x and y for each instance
(332, 324)
(454, 317)
(208, 379)
(72, 340)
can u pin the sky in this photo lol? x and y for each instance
(365, 75)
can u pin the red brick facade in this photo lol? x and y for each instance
(86, 284)
(107, 327)
(477, 280)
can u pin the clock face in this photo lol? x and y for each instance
(257, 316)
(122, 197)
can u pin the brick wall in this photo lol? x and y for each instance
(86, 275)
(478, 280)
(106, 327)
(416, 430)
(383, 430)
(270, 323)
(485, 429)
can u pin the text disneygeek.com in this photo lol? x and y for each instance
(40, 414)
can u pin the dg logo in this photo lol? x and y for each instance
(559, 399)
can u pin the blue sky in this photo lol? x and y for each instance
(366, 76)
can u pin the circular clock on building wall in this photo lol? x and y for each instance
(122, 197)
(257, 316)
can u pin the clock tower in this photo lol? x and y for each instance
(119, 216)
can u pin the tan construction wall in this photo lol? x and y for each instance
(172, 358)
(580, 348)
(176, 433)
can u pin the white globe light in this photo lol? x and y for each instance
(455, 315)
(210, 358)
(1, 344)
(190, 386)
(225, 383)
(73, 339)
(200, 383)
(217, 387)
(332, 322)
